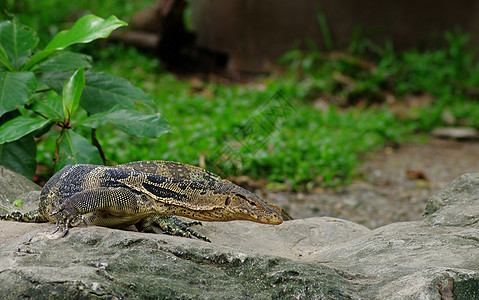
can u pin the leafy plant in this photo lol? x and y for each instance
(54, 89)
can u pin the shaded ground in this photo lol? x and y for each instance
(394, 187)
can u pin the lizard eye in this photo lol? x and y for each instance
(252, 203)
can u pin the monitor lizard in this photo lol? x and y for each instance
(144, 194)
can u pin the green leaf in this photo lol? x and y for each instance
(72, 91)
(50, 108)
(86, 29)
(130, 121)
(16, 88)
(55, 80)
(75, 149)
(37, 58)
(18, 202)
(102, 91)
(18, 41)
(64, 61)
(4, 59)
(18, 127)
(20, 156)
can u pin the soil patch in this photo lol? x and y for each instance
(393, 185)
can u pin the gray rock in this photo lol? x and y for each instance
(458, 133)
(14, 186)
(460, 196)
(113, 264)
(316, 258)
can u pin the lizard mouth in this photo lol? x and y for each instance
(218, 215)
(269, 217)
(273, 220)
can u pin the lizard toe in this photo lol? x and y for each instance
(192, 223)
(174, 226)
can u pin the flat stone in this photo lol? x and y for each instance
(458, 133)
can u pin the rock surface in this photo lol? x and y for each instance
(458, 133)
(14, 186)
(314, 258)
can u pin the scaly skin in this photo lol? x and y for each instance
(146, 193)
(185, 171)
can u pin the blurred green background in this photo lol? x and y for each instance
(344, 104)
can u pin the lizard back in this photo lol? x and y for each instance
(198, 199)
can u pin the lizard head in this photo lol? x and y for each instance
(245, 205)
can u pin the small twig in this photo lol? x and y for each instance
(57, 146)
(96, 143)
(42, 91)
(41, 115)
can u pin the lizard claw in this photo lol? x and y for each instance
(82, 218)
(66, 219)
(64, 230)
(62, 225)
(60, 221)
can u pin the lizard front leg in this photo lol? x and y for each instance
(123, 207)
(117, 208)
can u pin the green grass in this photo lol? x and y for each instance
(312, 146)
(306, 145)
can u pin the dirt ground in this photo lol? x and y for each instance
(393, 186)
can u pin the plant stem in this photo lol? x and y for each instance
(43, 91)
(96, 143)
